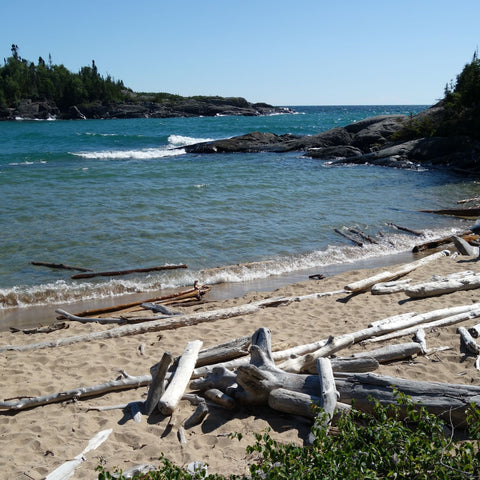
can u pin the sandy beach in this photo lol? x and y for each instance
(35, 442)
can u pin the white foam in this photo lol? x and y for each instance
(181, 140)
(142, 154)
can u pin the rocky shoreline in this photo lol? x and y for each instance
(371, 141)
(28, 109)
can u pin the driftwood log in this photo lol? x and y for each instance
(367, 283)
(127, 272)
(443, 286)
(60, 266)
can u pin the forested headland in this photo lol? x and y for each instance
(45, 90)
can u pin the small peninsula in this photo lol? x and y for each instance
(44, 91)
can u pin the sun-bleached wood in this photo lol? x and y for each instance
(391, 353)
(367, 283)
(180, 379)
(157, 387)
(442, 287)
(469, 342)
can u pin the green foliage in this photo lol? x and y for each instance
(20, 78)
(396, 442)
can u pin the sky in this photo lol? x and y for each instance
(296, 52)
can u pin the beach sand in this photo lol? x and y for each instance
(34, 442)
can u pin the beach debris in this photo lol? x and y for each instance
(197, 416)
(475, 331)
(456, 212)
(366, 237)
(468, 200)
(61, 266)
(157, 387)
(67, 469)
(349, 237)
(431, 244)
(367, 283)
(126, 272)
(467, 340)
(42, 329)
(316, 276)
(442, 286)
(179, 382)
(405, 229)
(384, 288)
(464, 247)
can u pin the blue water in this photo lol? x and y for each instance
(121, 194)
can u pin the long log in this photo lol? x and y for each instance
(449, 401)
(171, 323)
(181, 377)
(368, 238)
(61, 266)
(349, 237)
(391, 353)
(157, 387)
(385, 288)
(434, 288)
(367, 283)
(127, 272)
(405, 229)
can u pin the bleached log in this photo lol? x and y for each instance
(442, 287)
(448, 401)
(220, 398)
(297, 403)
(421, 339)
(442, 322)
(349, 364)
(101, 320)
(224, 352)
(157, 387)
(82, 392)
(181, 377)
(385, 288)
(464, 247)
(469, 342)
(182, 438)
(475, 331)
(367, 283)
(328, 392)
(393, 319)
(170, 323)
(391, 353)
(197, 416)
(67, 469)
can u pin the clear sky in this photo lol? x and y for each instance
(296, 52)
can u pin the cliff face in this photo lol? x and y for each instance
(181, 107)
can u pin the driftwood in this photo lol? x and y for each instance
(390, 287)
(469, 342)
(475, 331)
(197, 416)
(448, 401)
(46, 329)
(157, 387)
(61, 266)
(181, 377)
(391, 353)
(464, 247)
(405, 229)
(367, 283)
(456, 212)
(168, 324)
(66, 470)
(442, 287)
(349, 237)
(472, 312)
(101, 320)
(367, 238)
(127, 272)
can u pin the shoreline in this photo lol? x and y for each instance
(64, 428)
(35, 315)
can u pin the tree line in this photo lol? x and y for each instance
(21, 78)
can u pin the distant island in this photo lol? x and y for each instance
(45, 90)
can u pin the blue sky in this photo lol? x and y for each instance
(303, 52)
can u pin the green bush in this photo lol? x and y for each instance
(390, 443)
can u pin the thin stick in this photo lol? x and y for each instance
(61, 265)
(126, 272)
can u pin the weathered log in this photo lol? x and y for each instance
(127, 272)
(172, 323)
(456, 212)
(349, 237)
(475, 331)
(157, 387)
(197, 416)
(367, 283)
(385, 288)
(469, 342)
(224, 352)
(61, 266)
(350, 364)
(367, 238)
(393, 319)
(77, 393)
(220, 398)
(391, 353)
(464, 248)
(405, 229)
(67, 469)
(449, 401)
(181, 377)
(442, 287)
(474, 312)
(297, 403)
(47, 329)
(101, 320)
(328, 392)
(421, 339)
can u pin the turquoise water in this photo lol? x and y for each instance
(121, 194)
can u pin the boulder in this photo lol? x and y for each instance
(331, 153)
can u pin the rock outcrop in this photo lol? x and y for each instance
(371, 141)
(137, 108)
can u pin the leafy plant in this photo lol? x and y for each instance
(398, 442)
